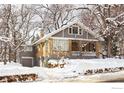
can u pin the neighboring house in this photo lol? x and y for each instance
(26, 57)
(73, 40)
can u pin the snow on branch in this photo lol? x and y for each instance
(5, 39)
(114, 20)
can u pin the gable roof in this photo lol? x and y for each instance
(66, 26)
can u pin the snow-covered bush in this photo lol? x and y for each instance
(52, 63)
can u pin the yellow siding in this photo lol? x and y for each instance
(49, 47)
(39, 50)
(44, 50)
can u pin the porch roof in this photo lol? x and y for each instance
(99, 38)
(81, 39)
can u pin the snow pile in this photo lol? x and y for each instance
(40, 72)
(76, 68)
(17, 69)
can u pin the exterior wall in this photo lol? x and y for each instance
(44, 49)
(64, 33)
(39, 49)
(50, 44)
(47, 48)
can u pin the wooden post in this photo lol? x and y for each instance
(98, 48)
(80, 46)
(70, 47)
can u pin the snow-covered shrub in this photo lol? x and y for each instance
(19, 78)
(52, 63)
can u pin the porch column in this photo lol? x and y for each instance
(70, 47)
(98, 48)
(80, 46)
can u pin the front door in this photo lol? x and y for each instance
(75, 45)
(75, 48)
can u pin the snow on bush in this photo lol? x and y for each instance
(52, 61)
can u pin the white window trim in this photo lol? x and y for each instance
(55, 47)
(69, 31)
(72, 31)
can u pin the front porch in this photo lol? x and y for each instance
(78, 49)
(84, 49)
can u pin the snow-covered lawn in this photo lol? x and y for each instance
(73, 70)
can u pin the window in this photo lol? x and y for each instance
(60, 45)
(80, 31)
(75, 30)
(70, 30)
(89, 47)
(75, 45)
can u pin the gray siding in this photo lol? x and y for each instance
(64, 33)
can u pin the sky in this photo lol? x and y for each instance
(62, 1)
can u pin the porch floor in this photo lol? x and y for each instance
(82, 57)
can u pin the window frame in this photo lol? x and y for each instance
(80, 32)
(60, 43)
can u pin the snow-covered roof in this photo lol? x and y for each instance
(66, 26)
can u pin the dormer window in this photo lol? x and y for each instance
(75, 30)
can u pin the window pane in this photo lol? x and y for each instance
(80, 31)
(70, 30)
(60, 45)
(75, 30)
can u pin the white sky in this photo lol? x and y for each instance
(62, 1)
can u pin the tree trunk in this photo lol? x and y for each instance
(5, 50)
(9, 59)
(15, 56)
(109, 46)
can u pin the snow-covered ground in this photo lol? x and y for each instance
(73, 70)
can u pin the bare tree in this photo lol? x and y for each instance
(17, 25)
(54, 16)
(101, 19)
